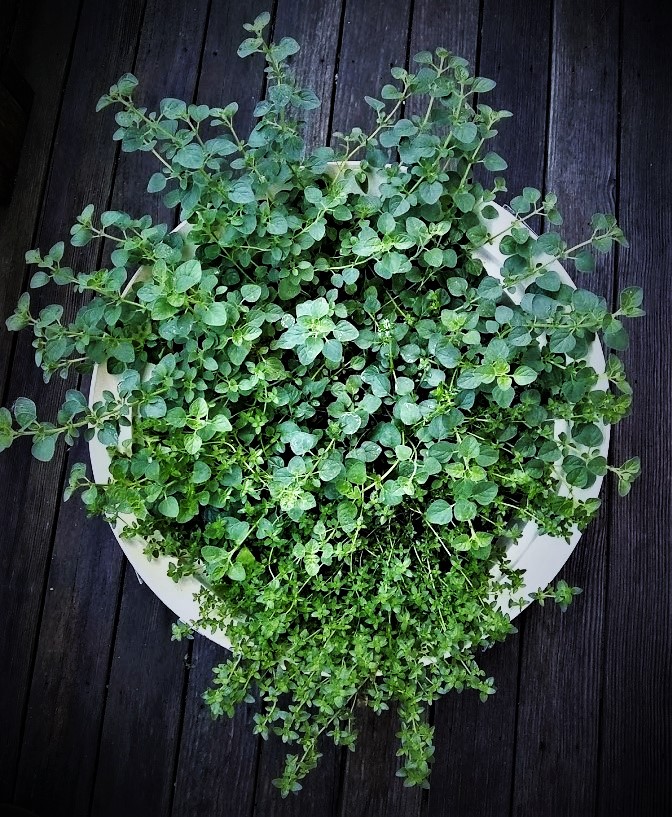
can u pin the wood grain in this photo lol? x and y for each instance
(561, 668)
(585, 728)
(375, 38)
(315, 25)
(80, 171)
(636, 728)
(43, 38)
(143, 712)
(221, 755)
(475, 742)
(87, 573)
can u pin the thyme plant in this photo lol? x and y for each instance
(339, 419)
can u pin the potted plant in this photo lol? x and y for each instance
(338, 399)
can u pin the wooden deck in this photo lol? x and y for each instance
(100, 713)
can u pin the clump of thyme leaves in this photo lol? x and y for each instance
(339, 420)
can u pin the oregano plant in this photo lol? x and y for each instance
(327, 410)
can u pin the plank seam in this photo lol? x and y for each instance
(337, 66)
(547, 148)
(611, 493)
(190, 644)
(5, 391)
(43, 187)
(122, 578)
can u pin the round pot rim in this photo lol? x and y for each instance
(539, 556)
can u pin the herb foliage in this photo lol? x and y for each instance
(339, 420)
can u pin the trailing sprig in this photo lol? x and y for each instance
(339, 419)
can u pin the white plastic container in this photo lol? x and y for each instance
(539, 556)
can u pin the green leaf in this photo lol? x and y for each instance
(215, 314)
(404, 385)
(439, 512)
(389, 435)
(191, 156)
(584, 261)
(392, 263)
(220, 424)
(333, 350)
(173, 108)
(201, 472)
(430, 192)
(587, 434)
(241, 192)
(237, 530)
(345, 331)
(187, 275)
(251, 292)
(494, 162)
(386, 223)
(524, 375)
(156, 183)
(25, 412)
(631, 302)
(464, 201)
(379, 382)
(464, 131)
(409, 413)
(126, 84)
(482, 85)
(193, 444)
(301, 442)
(169, 507)
(465, 510)
(484, 492)
(277, 224)
(615, 336)
(43, 448)
(355, 471)
(433, 257)
(155, 407)
(236, 572)
(403, 452)
(329, 469)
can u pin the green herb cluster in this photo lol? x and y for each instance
(339, 419)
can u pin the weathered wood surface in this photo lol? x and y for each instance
(100, 713)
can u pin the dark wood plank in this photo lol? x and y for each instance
(62, 730)
(217, 763)
(214, 754)
(142, 712)
(8, 17)
(167, 66)
(148, 704)
(370, 784)
(375, 37)
(438, 25)
(315, 25)
(42, 42)
(224, 77)
(77, 568)
(636, 746)
(475, 741)
(561, 668)
(81, 168)
(320, 794)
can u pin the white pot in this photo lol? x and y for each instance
(539, 556)
(542, 556)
